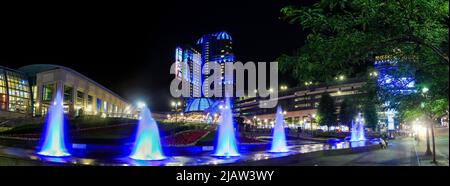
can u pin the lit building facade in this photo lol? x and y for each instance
(394, 78)
(189, 57)
(300, 103)
(15, 93)
(210, 48)
(217, 48)
(30, 90)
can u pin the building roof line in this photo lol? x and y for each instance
(53, 66)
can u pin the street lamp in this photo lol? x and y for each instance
(175, 105)
(341, 77)
(141, 104)
(428, 152)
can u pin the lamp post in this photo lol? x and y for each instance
(430, 125)
(175, 106)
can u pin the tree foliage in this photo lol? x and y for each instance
(347, 34)
(348, 111)
(370, 115)
(344, 33)
(326, 111)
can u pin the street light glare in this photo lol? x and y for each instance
(141, 104)
(425, 90)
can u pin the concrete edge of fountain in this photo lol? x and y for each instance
(302, 157)
(27, 156)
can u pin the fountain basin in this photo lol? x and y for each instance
(258, 153)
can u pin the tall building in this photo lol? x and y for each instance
(217, 48)
(395, 78)
(210, 48)
(188, 56)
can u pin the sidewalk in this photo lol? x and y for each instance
(442, 148)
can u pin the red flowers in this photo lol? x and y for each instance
(185, 138)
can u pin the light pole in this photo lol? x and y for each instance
(175, 106)
(430, 125)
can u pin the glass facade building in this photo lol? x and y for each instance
(210, 48)
(30, 90)
(15, 92)
(394, 78)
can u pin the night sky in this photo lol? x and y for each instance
(130, 47)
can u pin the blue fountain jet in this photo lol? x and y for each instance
(226, 143)
(361, 131)
(53, 140)
(357, 132)
(354, 132)
(279, 136)
(147, 145)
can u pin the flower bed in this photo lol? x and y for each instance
(185, 138)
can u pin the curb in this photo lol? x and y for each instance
(298, 158)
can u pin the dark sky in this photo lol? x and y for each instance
(129, 47)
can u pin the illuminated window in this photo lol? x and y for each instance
(90, 100)
(99, 104)
(105, 106)
(19, 92)
(68, 91)
(47, 92)
(80, 98)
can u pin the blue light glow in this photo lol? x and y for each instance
(198, 104)
(358, 132)
(226, 145)
(53, 140)
(147, 145)
(279, 137)
(362, 131)
(354, 133)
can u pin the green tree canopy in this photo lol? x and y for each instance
(344, 33)
(326, 111)
(348, 111)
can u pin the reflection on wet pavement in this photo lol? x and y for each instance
(193, 160)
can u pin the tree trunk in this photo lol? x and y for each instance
(434, 145)
(428, 152)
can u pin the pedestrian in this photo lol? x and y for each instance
(299, 131)
(383, 144)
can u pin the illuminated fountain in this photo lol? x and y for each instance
(357, 132)
(147, 145)
(226, 145)
(354, 132)
(279, 136)
(361, 131)
(53, 141)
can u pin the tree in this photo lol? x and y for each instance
(326, 111)
(346, 34)
(430, 106)
(370, 115)
(348, 111)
